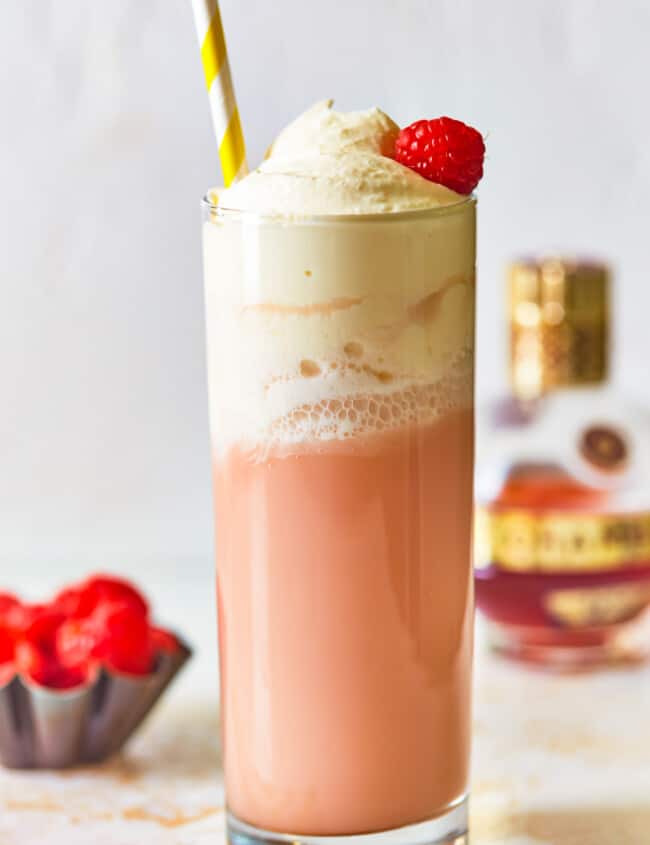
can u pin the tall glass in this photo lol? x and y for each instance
(341, 354)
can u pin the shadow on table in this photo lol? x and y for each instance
(584, 826)
(181, 744)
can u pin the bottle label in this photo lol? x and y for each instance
(594, 607)
(604, 448)
(557, 541)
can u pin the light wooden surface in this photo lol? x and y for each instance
(557, 761)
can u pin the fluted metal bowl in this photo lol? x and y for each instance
(51, 729)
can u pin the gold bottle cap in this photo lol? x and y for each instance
(559, 321)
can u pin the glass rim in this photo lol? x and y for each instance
(218, 211)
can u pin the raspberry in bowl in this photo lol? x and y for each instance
(80, 673)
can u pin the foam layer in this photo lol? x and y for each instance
(330, 329)
(362, 414)
(300, 316)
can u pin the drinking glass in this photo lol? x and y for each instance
(340, 362)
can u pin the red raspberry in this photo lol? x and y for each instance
(68, 601)
(11, 614)
(44, 669)
(36, 650)
(82, 600)
(34, 663)
(37, 654)
(16, 616)
(7, 672)
(27, 614)
(124, 641)
(67, 677)
(443, 150)
(7, 646)
(76, 641)
(41, 631)
(116, 633)
(163, 640)
(8, 604)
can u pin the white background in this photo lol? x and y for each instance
(106, 147)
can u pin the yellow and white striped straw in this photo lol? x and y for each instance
(225, 114)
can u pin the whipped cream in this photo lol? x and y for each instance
(335, 329)
(328, 162)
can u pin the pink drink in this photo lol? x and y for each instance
(348, 711)
(341, 387)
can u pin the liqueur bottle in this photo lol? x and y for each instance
(562, 535)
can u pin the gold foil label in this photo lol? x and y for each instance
(596, 606)
(560, 541)
(559, 317)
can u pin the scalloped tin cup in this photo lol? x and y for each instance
(42, 728)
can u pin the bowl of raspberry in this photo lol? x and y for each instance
(80, 673)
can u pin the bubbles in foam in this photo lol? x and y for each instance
(371, 413)
(309, 369)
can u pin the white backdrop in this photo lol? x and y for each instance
(106, 147)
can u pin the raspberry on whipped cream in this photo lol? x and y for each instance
(443, 150)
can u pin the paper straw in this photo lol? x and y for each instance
(225, 114)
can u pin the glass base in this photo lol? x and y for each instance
(564, 650)
(448, 829)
